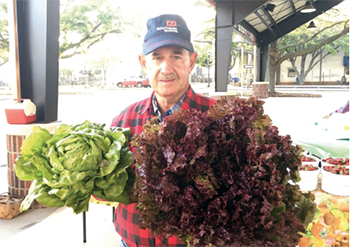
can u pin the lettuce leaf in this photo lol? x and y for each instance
(74, 162)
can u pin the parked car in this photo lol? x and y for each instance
(133, 81)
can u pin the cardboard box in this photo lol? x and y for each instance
(21, 111)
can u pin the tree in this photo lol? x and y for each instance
(202, 58)
(204, 39)
(301, 43)
(82, 24)
(4, 37)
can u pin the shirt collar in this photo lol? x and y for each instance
(173, 109)
(189, 98)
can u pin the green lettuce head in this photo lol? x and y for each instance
(74, 162)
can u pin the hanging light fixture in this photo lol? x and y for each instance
(308, 8)
(270, 7)
(311, 25)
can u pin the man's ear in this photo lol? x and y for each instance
(193, 59)
(142, 61)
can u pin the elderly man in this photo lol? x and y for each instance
(168, 57)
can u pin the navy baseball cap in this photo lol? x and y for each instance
(167, 30)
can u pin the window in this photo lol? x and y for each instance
(291, 72)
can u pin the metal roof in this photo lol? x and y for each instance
(262, 19)
(268, 24)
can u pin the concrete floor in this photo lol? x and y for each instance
(60, 227)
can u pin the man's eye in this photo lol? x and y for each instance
(157, 58)
(177, 57)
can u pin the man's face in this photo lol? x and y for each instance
(168, 70)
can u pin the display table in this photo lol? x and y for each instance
(330, 226)
(326, 138)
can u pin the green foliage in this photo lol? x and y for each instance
(202, 51)
(4, 41)
(330, 36)
(302, 39)
(328, 25)
(82, 24)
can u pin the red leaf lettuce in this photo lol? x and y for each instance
(220, 178)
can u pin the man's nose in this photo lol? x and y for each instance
(167, 66)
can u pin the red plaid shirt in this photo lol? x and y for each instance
(126, 216)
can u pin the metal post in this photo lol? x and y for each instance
(84, 226)
(208, 66)
(242, 69)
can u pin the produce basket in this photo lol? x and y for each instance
(309, 178)
(335, 184)
(9, 205)
(308, 159)
(333, 161)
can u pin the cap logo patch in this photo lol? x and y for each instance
(171, 23)
(170, 27)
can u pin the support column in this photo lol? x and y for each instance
(223, 43)
(38, 49)
(263, 59)
(228, 13)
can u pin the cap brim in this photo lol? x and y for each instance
(164, 40)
